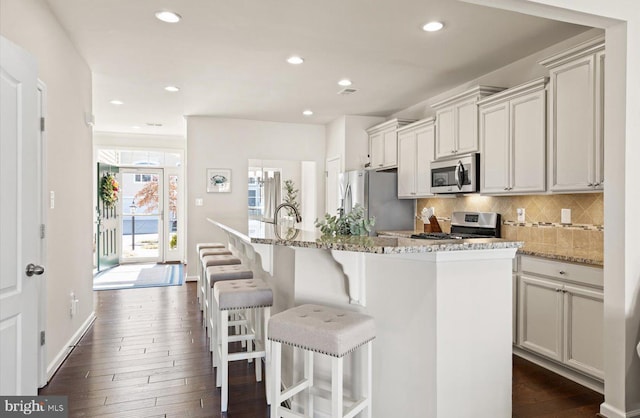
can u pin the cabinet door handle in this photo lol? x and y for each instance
(562, 272)
(506, 188)
(379, 165)
(590, 185)
(596, 184)
(453, 151)
(558, 290)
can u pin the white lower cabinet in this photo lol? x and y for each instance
(560, 313)
(583, 325)
(540, 316)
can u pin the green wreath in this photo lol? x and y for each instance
(109, 190)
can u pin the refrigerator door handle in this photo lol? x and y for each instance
(348, 199)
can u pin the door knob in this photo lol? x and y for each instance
(33, 269)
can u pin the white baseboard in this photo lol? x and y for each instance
(611, 412)
(62, 355)
(191, 279)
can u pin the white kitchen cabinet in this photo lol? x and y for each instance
(457, 122)
(383, 144)
(376, 149)
(540, 316)
(513, 140)
(415, 153)
(561, 313)
(583, 325)
(576, 116)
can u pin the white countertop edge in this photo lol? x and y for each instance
(230, 230)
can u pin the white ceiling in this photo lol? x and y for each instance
(228, 57)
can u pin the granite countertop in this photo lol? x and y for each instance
(521, 250)
(562, 257)
(266, 234)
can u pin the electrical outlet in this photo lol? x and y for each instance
(521, 214)
(565, 216)
(199, 201)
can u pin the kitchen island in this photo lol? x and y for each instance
(442, 311)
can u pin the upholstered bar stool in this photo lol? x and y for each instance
(255, 296)
(214, 274)
(199, 287)
(211, 251)
(208, 261)
(329, 331)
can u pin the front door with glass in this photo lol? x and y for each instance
(142, 214)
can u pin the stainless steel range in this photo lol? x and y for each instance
(468, 225)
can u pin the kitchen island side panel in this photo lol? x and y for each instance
(474, 323)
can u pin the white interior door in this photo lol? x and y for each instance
(19, 221)
(333, 170)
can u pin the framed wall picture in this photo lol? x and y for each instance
(218, 180)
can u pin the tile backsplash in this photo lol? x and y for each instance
(542, 231)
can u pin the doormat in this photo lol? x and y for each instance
(131, 276)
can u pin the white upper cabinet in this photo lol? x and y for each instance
(383, 144)
(415, 153)
(457, 122)
(576, 116)
(513, 140)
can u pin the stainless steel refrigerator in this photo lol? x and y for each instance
(377, 192)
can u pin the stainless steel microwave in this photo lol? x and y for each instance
(457, 175)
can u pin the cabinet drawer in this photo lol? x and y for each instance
(591, 276)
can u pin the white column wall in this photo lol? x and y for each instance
(621, 19)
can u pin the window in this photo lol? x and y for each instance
(143, 178)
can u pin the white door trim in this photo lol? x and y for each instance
(44, 199)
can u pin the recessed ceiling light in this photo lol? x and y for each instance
(307, 112)
(172, 89)
(433, 26)
(155, 124)
(135, 127)
(169, 17)
(295, 60)
(345, 82)
(116, 102)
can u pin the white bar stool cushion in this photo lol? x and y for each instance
(202, 245)
(322, 329)
(242, 294)
(213, 251)
(228, 272)
(219, 260)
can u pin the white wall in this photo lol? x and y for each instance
(347, 137)
(31, 24)
(336, 140)
(230, 143)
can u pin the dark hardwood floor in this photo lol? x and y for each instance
(147, 356)
(538, 392)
